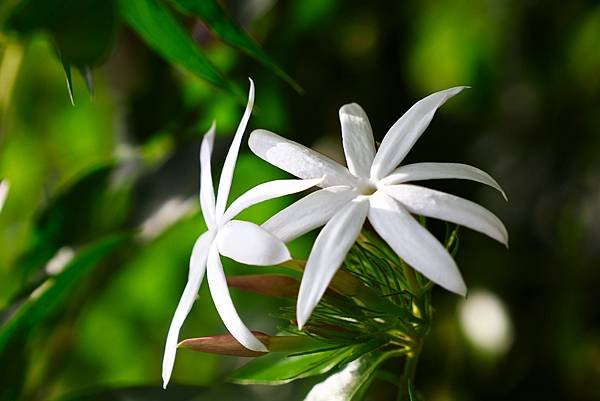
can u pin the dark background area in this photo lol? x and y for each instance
(531, 119)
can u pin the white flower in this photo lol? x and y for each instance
(371, 186)
(239, 240)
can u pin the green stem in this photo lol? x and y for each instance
(410, 368)
(409, 273)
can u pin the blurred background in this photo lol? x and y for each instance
(101, 119)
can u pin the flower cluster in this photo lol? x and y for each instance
(373, 186)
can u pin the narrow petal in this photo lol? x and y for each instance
(414, 244)
(222, 299)
(308, 213)
(266, 191)
(207, 191)
(251, 244)
(401, 137)
(434, 171)
(230, 160)
(443, 206)
(328, 253)
(297, 159)
(196, 273)
(357, 136)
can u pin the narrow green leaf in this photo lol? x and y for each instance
(86, 74)
(69, 79)
(411, 392)
(50, 296)
(155, 24)
(215, 16)
(280, 368)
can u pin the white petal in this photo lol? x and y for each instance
(4, 187)
(401, 137)
(222, 299)
(207, 192)
(434, 171)
(229, 164)
(308, 213)
(440, 205)
(251, 244)
(413, 243)
(265, 191)
(196, 273)
(297, 159)
(357, 136)
(328, 253)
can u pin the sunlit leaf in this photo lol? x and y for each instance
(213, 14)
(87, 208)
(155, 24)
(47, 299)
(69, 79)
(280, 368)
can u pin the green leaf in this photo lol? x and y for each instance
(69, 79)
(87, 208)
(155, 24)
(279, 368)
(84, 31)
(49, 298)
(213, 14)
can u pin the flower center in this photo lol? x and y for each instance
(366, 187)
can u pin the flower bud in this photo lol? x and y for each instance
(271, 285)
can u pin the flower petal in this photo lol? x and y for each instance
(330, 248)
(265, 191)
(440, 205)
(222, 300)
(196, 273)
(230, 160)
(297, 159)
(308, 213)
(207, 191)
(251, 244)
(413, 243)
(401, 137)
(434, 171)
(357, 136)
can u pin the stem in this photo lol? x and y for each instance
(410, 367)
(409, 273)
